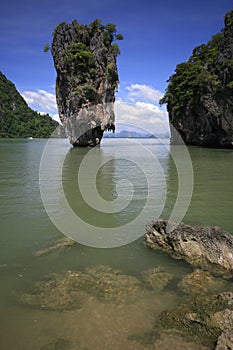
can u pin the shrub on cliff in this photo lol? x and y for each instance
(192, 77)
(199, 94)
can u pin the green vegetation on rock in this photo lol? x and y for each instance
(17, 119)
(199, 93)
(199, 318)
(46, 48)
(85, 58)
(79, 55)
(64, 291)
(192, 77)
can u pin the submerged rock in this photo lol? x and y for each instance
(87, 78)
(202, 319)
(59, 344)
(156, 278)
(58, 245)
(166, 340)
(200, 282)
(205, 246)
(63, 291)
(174, 341)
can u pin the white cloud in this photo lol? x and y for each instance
(137, 104)
(41, 100)
(140, 108)
(146, 116)
(142, 91)
(56, 117)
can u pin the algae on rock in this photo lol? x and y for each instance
(201, 282)
(55, 246)
(156, 278)
(202, 318)
(64, 291)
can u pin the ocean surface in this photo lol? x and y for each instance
(126, 183)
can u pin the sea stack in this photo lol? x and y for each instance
(199, 95)
(87, 78)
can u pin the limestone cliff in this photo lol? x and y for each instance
(87, 77)
(199, 96)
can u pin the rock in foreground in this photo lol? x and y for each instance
(208, 247)
(87, 77)
(204, 319)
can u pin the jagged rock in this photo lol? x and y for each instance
(87, 77)
(208, 247)
(199, 95)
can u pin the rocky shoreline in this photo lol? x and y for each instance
(205, 317)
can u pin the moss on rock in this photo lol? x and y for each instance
(63, 291)
(156, 278)
(197, 319)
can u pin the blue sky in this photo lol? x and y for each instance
(158, 34)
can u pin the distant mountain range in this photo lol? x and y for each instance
(134, 134)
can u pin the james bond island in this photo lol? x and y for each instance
(87, 78)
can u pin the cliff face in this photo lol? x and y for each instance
(85, 61)
(17, 119)
(199, 96)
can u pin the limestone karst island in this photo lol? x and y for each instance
(87, 78)
(199, 95)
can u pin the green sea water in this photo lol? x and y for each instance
(26, 228)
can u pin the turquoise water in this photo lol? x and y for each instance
(26, 228)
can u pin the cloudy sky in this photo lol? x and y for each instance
(158, 34)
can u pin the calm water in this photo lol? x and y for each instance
(26, 228)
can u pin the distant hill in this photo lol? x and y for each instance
(134, 134)
(17, 119)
